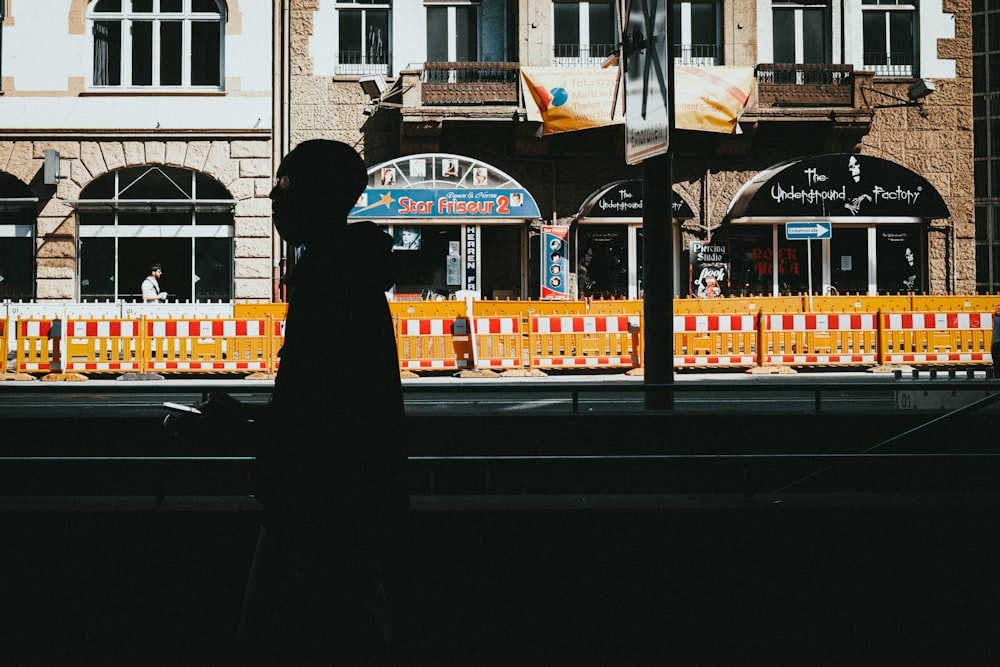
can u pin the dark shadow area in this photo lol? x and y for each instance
(743, 584)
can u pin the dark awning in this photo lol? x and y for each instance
(839, 187)
(621, 201)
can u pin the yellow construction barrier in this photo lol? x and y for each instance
(104, 346)
(953, 338)
(846, 303)
(835, 339)
(208, 346)
(427, 309)
(499, 343)
(715, 341)
(933, 304)
(37, 345)
(434, 344)
(584, 342)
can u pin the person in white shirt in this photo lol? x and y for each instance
(151, 286)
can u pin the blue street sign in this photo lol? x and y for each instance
(805, 231)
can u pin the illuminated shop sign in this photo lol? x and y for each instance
(445, 203)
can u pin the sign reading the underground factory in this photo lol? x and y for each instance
(445, 203)
(841, 186)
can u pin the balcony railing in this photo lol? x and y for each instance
(582, 55)
(355, 63)
(890, 64)
(697, 55)
(458, 83)
(780, 84)
(590, 55)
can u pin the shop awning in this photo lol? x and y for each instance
(621, 201)
(443, 188)
(840, 188)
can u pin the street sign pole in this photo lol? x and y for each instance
(657, 278)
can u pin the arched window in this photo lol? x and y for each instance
(158, 43)
(139, 216)
(17, 241)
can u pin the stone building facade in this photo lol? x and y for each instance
(932, 139)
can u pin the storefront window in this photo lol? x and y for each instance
(849, 260)
(428, 260)
(602, 261)
(139, 216)
(758, 267)
(16, 268)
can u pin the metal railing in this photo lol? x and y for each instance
(357, 63)
(469, 83)
(892, 64)
(793, 84)
(582, 55)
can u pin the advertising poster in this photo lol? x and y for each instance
(555, 265)
(708, 270)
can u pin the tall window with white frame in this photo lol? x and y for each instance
(363, 34)
(134, 217)
(890, 37)
(697, 31)
(583, 33)
(453, 33)
(802, 31)
(158, 43)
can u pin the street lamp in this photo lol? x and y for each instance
(916, 92)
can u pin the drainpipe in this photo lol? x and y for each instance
(279, 123)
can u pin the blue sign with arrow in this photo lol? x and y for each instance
(807, 231)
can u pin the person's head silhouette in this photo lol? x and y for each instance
(318, 183)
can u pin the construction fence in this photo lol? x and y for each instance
(515, 337)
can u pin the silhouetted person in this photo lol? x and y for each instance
(331, 472)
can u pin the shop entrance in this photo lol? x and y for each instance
(501, 261)
(849, 260)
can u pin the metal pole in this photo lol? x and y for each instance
(657, 278)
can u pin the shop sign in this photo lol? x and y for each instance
(555, 265)
(708, 269)
(445, 203)
(841, 186)
(471, 253)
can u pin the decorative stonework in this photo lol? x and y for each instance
(242, 166)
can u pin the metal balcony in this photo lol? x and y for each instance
(798, 85)
(469, 83)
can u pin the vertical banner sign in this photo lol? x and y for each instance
(555, 265)
(471, 252)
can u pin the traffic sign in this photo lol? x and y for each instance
(647, 64)
(807, 231)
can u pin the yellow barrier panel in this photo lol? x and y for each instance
(584, 342)
(252, 311)
(954, 338)
(836, 339)
(35, 346)
(434, 344)
(934, 304)
(212, 346)
(104, 346)
(715, 341)
(427, 309)
(738, 304)
(846, 303)
(611, 307)
(499, 343)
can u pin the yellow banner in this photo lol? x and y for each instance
(711, 99)
(708, 99)
(570, 98)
